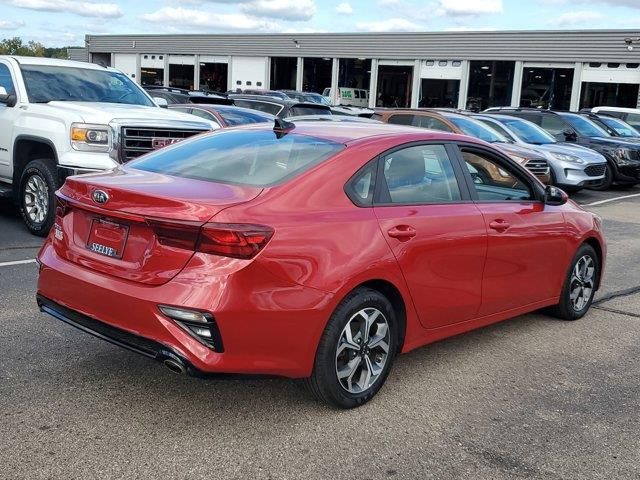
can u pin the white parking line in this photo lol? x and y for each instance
(601, 202)
(17, 262)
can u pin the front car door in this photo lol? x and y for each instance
(8, 116)
(436, 233)
(527, 240)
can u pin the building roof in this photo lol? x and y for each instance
(539, 45)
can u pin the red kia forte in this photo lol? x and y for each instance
(316, 251)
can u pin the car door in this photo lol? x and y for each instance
(8, 116)
(527, 240)
(436, 233)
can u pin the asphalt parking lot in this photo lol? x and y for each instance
(532, 397)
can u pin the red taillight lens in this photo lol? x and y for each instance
(176, 234)
(224, 239)
(233, 240)
(62, 207)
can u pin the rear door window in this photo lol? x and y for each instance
(431, 123)
(402, 119)
(241, 157)
(633, 119)
(272, 108)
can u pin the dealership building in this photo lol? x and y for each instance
(564, 70)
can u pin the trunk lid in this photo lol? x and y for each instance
(108, 221)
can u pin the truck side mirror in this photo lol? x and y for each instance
(7, 99)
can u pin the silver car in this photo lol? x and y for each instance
(573, 167)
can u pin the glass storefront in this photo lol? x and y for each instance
(181, 76)
(213, 76)
(316, 74)
(438, 93)
(283, 73)
(490, 84)
(546, 88)
(152, 76)
(595, 94)
(394, 86)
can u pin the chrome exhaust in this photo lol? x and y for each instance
(174, 366)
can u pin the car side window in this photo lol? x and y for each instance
(419, 174)
(494, 180)
(204, 114)
(5, 79)
(361, 186)
(633, 119)
(403, 119)
(271, 108)
(431, 123)
(553, 124)
(612, 113)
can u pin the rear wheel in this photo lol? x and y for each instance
(580, 285)
(356, 351)
(37, 196)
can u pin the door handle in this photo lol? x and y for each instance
(499, 225)
(402, 232)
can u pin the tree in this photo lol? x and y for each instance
(15, 46)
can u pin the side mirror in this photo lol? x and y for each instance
(9, 100)
(569, 135)
(161, 102)
(555, 196)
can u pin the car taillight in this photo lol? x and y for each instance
(62, 207)
(233, 240)
(224, 239)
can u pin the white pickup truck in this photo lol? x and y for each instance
(61, 118)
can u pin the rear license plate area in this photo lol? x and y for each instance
(107, 238)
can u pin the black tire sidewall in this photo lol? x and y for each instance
(44, 169)
(324, 369)
(566, 308)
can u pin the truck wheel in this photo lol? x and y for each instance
(38, 184)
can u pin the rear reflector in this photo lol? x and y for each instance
(225, 239)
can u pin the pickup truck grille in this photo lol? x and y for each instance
(136, 141)
(538, 166)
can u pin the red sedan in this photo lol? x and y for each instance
(315, 251)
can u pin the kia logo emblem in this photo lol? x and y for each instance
(100, 196)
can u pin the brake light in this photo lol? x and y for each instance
(233, 240)
(62, 207)
(225, 239)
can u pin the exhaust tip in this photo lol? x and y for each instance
(174, 366)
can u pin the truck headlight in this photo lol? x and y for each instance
(90, 138)
(568, 158)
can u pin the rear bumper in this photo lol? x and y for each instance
(121, 338)
(268, 326)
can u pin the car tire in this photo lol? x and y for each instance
(38, 184)
(579, 285)
(350, 366)
(607, 181)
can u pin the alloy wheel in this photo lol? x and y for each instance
(582, 282)
(363, 350)
(36, 198)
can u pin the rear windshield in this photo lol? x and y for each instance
(241, 157)
(241, 116)
(302, 110)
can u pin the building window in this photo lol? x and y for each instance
(438, 93)
(442, 63)
(633, 65)
(152, 76)
(613, 65)
(430, 63)
(213, 76)
(456, 63)
(490, 84)
(595, 94)
(546, 88)
(595, 64)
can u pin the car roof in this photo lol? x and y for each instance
(615, 109)
(222, 108)
(350, 132)
(57, 62)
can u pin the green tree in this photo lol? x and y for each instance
(16, 46)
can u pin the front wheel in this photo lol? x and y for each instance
(607, 181)
(356, 351)
(580, 285)
(37, 196)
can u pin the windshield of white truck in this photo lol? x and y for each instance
(48, 83)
